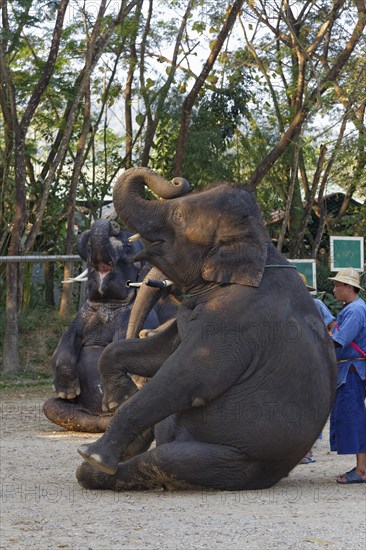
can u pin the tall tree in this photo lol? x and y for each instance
(299, 52)
(231, 15)
(18, 113)
(306, 46)
(17, 122)
(157, 82)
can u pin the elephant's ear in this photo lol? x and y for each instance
(239, 254)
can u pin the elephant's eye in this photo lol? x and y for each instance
(178, 215)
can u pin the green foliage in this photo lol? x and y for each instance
(211, 147)
(199, 26)
(40, 329)
(166, 135)
(209, 154)
(269, 202)
(234, 124)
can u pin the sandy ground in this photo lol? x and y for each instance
(43, 507)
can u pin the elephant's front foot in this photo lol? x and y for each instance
(116, 392)
(148, 332)
(140, 381)
(90, 478)
(101, 456)
(66, 382)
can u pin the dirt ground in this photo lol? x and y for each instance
(43, 507)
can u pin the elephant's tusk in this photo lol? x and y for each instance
(82, 276)
(79, 278)
(134, 238)
(134, 285)
(74, 280)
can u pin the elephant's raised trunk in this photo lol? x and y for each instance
(138, 213)
(94, 245)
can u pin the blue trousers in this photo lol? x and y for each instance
(348, 417)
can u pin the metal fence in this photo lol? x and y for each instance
(41, 258)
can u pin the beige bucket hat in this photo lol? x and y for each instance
(303, 278)
(349, 276)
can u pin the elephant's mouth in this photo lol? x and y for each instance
(102, 268)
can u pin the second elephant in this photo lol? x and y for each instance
(102, 319)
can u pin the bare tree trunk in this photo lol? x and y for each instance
(360, 165)
(49, 282)
(128, 106)
(153, 121)
(14, 271)
(330, 77)
(66, 296)
(324, 180)
(11, 341)
(286, 218)
(128, 89)
(18, 131)
(310, 202)
(322, 221)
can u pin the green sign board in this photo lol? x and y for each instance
(307, 268)
(347, 252)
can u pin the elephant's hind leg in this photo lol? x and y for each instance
(72, 416)
(186, 465)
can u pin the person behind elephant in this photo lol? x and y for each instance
(235, 378)
(348, 417)
(328, 318)
(102, 319)
(329, 321)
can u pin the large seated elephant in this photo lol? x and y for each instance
(242, 381)
(102, 319)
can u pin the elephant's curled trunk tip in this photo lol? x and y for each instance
(181, 182)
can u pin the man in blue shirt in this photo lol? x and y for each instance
(348, 418)
(328, 318)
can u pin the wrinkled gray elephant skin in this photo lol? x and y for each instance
(102, 319)
(242, 382)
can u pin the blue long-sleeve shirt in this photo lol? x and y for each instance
(326, 314)
(351, 327)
